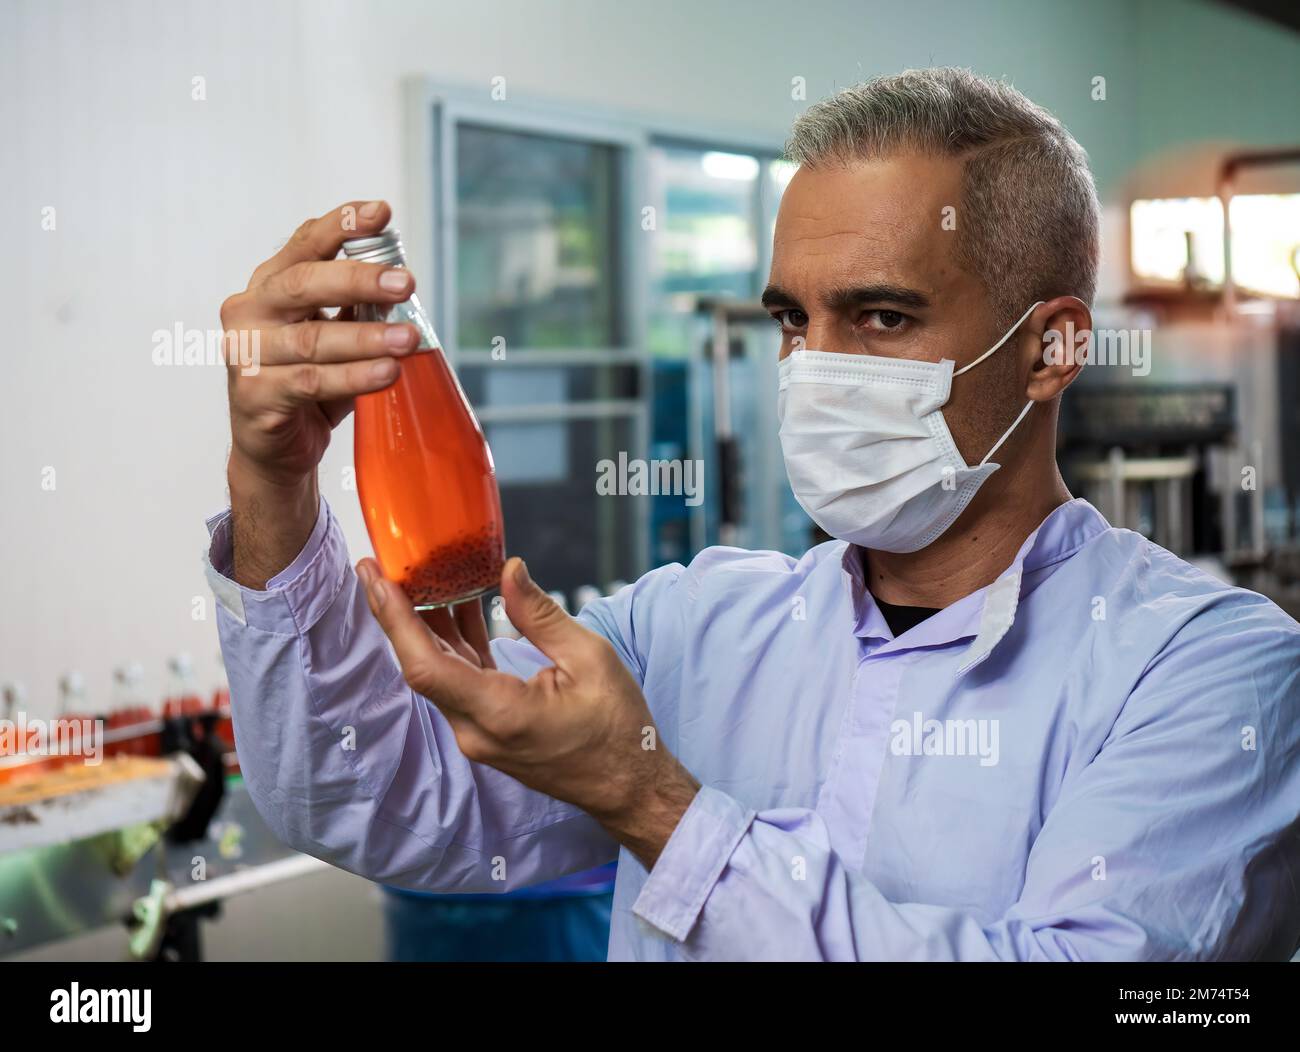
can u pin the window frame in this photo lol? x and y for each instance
(433, 109)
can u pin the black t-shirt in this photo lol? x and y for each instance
(901, 618)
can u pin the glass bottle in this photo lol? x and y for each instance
(124, 711)
(182, 696)
(424, 472)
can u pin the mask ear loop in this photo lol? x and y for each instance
(1028, 405)
(1006, 434)
(998, 345)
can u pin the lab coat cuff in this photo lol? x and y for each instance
(692, 862)
(298, 595)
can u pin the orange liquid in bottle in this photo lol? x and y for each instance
(427, 485)
(424, 472)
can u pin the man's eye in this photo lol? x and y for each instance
(790, 320)
(885, 320)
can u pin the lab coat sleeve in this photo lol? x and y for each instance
(345, 762)
(1179, 840)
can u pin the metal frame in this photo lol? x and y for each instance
(587, 356)
(433, 111)
(593, 409)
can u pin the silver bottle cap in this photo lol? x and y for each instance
(385, 247)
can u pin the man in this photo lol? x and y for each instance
(981, 725)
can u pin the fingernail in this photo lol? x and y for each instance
(385, 370)
(370, 209)
(365, 573)
(394, 280)
(398, 336)
(378, 592)
(521, 575)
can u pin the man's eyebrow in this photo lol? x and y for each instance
(839, 297)
(775, 296)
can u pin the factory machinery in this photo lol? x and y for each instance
(1205, 459)
(136, 817)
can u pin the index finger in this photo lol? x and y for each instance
(323, 237)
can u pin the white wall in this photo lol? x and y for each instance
(165, 204)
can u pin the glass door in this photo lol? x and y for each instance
(540, 307)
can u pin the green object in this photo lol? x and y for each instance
(230, 844)
(123, 848)
(150, 919)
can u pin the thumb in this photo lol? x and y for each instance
(538, 617)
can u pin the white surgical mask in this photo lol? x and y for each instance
(868, 451)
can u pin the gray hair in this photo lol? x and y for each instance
(1028, 224)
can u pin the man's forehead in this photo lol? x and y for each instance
(883, 218)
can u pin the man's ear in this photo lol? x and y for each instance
(1062, 332)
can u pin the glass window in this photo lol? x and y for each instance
(1178, 236)
(706, 239)
(1180, 240)
(568, 535)
(716, 214)
(508, 383)
(1266, 243)
(538, 264)
(536, 253)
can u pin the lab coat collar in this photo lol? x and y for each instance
(986, 615)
